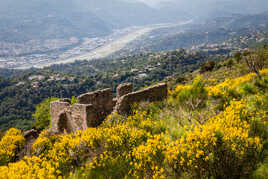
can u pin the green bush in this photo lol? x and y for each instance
(229, 63)
(194, 97)
(261, 130)
(74, 100)
(42, 114)
(238, 57)
(248, 88)
(208, 66)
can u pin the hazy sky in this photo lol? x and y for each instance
(154, 2)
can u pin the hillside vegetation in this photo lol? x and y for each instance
(19, 94)
(213, 125)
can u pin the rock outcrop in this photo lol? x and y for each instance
(94, 107)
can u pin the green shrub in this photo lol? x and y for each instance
(229, 63)
(248, 88)
(218, 66)
(208, 66)
(42, 114)
(262, 130)
(181, 79)
(256, 60)
(194, 97)
(238, 57)
(74, 100)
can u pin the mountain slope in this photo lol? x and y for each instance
(210, 125)
(212, 8)
(47, 19)
(248, 30)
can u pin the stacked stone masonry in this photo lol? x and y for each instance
(123, 89)
(152, 94)
(93, 107)
(66, 118)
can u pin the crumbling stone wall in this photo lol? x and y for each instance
(57, 107)
(101, 101)
(30, 137)
(123, 89)
(66, 118)
(152, 94)
(94, 107)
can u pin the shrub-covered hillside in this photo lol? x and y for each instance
(213, 125)
(19, 94)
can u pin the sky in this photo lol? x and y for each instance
(154, 2)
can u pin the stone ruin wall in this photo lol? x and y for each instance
(124, 89)
(152, 94)
(102, 102)
(94, 107)
(66, 118)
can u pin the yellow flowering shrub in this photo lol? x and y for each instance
(67, 150)
(34, 168)
(123, 137)
(107, 165)
(190, 97)
(72, 149)
(179, 88)
(42, 144)
(144, 120)
(223, 89)
(10, 145)
(211, 81)
(148, 159)
(118, 142)
(221, 147)
(227, 145)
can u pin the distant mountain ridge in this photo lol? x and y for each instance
(220, 30)
(45, 19)
(211, 8)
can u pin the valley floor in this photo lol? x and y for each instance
(81, 49)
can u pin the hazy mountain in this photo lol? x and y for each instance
(44, 19)
(215, 8)
(249, 21)
(120, 13)
(34, 19)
